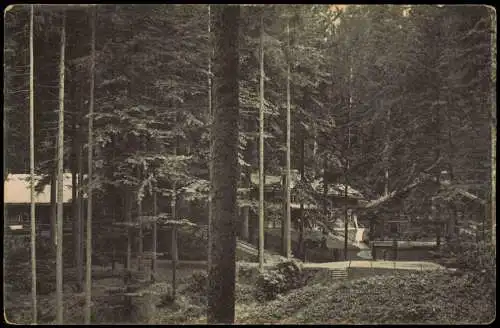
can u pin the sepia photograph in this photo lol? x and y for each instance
(169, 164)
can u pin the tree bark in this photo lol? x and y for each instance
(224, 135)
(88, 267)
(32, 174)
(60, 181)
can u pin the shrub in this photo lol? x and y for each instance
(269, 284)
(287, 276)
(292, 273)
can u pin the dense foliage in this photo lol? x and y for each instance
(370, 86)
(424, 297)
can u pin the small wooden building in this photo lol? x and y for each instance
(444, 211)
(17, 198)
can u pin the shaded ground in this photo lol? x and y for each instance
(423, 297)
(431, 296)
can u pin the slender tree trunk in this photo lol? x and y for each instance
(175, 256)
(210, 146)
(283, 220)
(325, 186)
(224, 134)
(301, 214)
(386, 151)
(53, 201)
(75, 207)
(155, 232)
(32, 174)
(128, 219)
(261, 149)
(288, 221)
(493, 128)
(346, 224)
(346, 171)
(79, 214)
(88, 267)
(140, 238)
(60, 181)
(81, 205)
(245, 229)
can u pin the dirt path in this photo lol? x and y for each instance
(397, 265)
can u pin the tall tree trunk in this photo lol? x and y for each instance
(301, 213)
(493, 127)
(245, 226)
(32, 174)
(81, 204)
(288, 221)
(60, 181)
(173, 203)
(283, 220)
(386, 150)
(261, 149)
(79, 213)
(128, 219)
(346, 171)
(53, 201)
(155, 232)
(224, 135)
(325, 186)
(88, 262)
(75, 206)
(140, 238)
(210, 143)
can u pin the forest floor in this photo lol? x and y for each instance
(431, 296)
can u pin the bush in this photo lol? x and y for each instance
(287, 276)
(292, 273)
(269, 284)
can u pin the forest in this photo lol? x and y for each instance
(191, 132)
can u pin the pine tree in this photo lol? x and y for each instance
(224, 134)
(88, 262)
(60, 186)
(32, 174)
